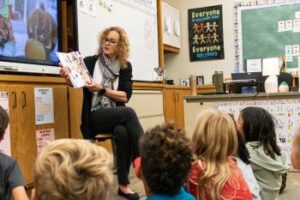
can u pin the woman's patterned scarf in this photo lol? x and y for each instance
(110, 71)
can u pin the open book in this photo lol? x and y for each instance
(79, 75)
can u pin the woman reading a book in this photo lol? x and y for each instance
(104, 99)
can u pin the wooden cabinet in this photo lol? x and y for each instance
(153, 113)
(75, 106)
(22, 125)
(173, 102)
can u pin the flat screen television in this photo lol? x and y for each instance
(30, 36)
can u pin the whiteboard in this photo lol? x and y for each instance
(137, 17)
(285, 112)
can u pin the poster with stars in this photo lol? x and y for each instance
(206, 33)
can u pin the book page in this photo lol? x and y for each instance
(79, 75)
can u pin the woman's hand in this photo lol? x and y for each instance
(64, 72)
(94, 87)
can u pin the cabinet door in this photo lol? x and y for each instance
(169, 105)
(75, 106)
(21, 126)
(180, 93)
(22, 129)
(153, 113)
(61, 112)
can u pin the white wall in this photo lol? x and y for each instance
(179, 65)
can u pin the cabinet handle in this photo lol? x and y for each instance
(23, 99)
(14, 99)
(177, 97)
(174, 97)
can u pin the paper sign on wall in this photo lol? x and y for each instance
(44, 109)
(43, 137)
(253, 65)
(82, 6)
(171, 32)
(5, 143)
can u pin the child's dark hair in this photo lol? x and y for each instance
(3, 122)
(242, 151)
(258, 125)
(166, 159)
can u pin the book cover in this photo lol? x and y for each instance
(79, 75)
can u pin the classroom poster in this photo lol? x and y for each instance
(43, 137)
(44, 108)
(206, 33)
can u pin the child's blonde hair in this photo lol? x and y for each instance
(73, 169)
(214, 141)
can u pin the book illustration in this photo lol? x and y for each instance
(79, 75)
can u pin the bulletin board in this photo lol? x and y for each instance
(171, 23)
(270, 31)
(138, 18)
(285, 112)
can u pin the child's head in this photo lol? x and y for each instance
(73, 169)
(166, 159)
(214, 141)
(3, 122)
(257, 124)
(295, 156)
(215, 136)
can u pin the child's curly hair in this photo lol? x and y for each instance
(166, 159)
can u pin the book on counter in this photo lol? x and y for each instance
(79, 75)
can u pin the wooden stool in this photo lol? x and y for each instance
(101, 137)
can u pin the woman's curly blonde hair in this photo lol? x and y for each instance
(123, 44)
(73, 169)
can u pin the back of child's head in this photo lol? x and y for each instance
(258, 125)
(166, 159)
(214, 141)
(295, 155)
(215, 136)
(4, 119)
(73, 169)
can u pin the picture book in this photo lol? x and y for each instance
(79, 75)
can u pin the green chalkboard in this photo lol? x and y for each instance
(260, 35)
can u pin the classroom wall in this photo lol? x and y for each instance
(179, 65)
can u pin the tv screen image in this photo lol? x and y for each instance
(29, 35)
